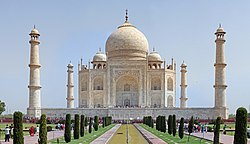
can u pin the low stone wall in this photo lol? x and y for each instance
(138, 113)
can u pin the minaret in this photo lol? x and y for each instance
(183, 85)
(34, 109)
(70, 87)
(220, 70)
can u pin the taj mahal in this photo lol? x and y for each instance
(128, 81)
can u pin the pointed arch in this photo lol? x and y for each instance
(170, 101)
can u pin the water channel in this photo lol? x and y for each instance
(127, 134)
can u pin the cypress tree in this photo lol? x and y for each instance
(174, 125)
(18, 128)
(103, 122)
(163, 121)
(43, 129)
(82, 126)
(240, 135)
(90, 124)
(96, 123)
(190, 126)
(157, 123)
(76, 127)
(170, 124)
(86, 122)
(67, 132)
(181, 128)
(217, 131)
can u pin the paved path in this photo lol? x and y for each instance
(225, 139)
(103, 139)
(149, 136)
(33, 140)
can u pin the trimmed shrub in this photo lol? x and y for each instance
(103, 122)
(43, 130)
(190, 126)
(240, 135)
(82, 126)
(181, 128)
(18, 128)
(174, 125)
(76, 127)
(170, 124)
(96, 123)
(86, 121)
(217, 131)
(67, 132)
(90, 124)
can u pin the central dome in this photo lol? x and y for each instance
(127, 43)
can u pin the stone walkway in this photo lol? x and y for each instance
(225, 139)
(103, 139)
(149, 136)
(34, 139)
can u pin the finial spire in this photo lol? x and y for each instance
(220, 25)
(126, 16)
(153, 49)
(34, 26)
(100, 49)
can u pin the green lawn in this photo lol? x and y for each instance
(170, 139)
(87, 137)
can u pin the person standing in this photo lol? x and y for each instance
(37, 130)
(7, 133)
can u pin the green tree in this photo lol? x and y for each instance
(96, 123)
(103, 122)
(217, 131)
(90, 124)
(2, 107)
(174, 125)
(86, 122)
(170, 124)
(190, 126)
(67, 132)
(18, 128)
(163, 124)
(240, 135)
(76, 127)
(82, 126)
(43, 129)
(181, 128)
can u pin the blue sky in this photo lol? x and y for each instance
(70, 30)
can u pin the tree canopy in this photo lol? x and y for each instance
(2, 107)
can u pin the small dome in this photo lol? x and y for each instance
(99, 56)
(220, 30)
(34, 32)
(183, 65)
(154, 56)
(70, 65)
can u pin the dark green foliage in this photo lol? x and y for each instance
(82, 126)
(2, 107)
(43, 129)
(86, 122)
(181, 128)
(174, 125)
(103, 122)
(217, 131)
(18, 128)
(67, 132)
(161, 123)
(148, 120)
(108, 120)
(240, 135)
(96, 123)
(190, 126)
(90, 124)
(170, 124)
(76, 127)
